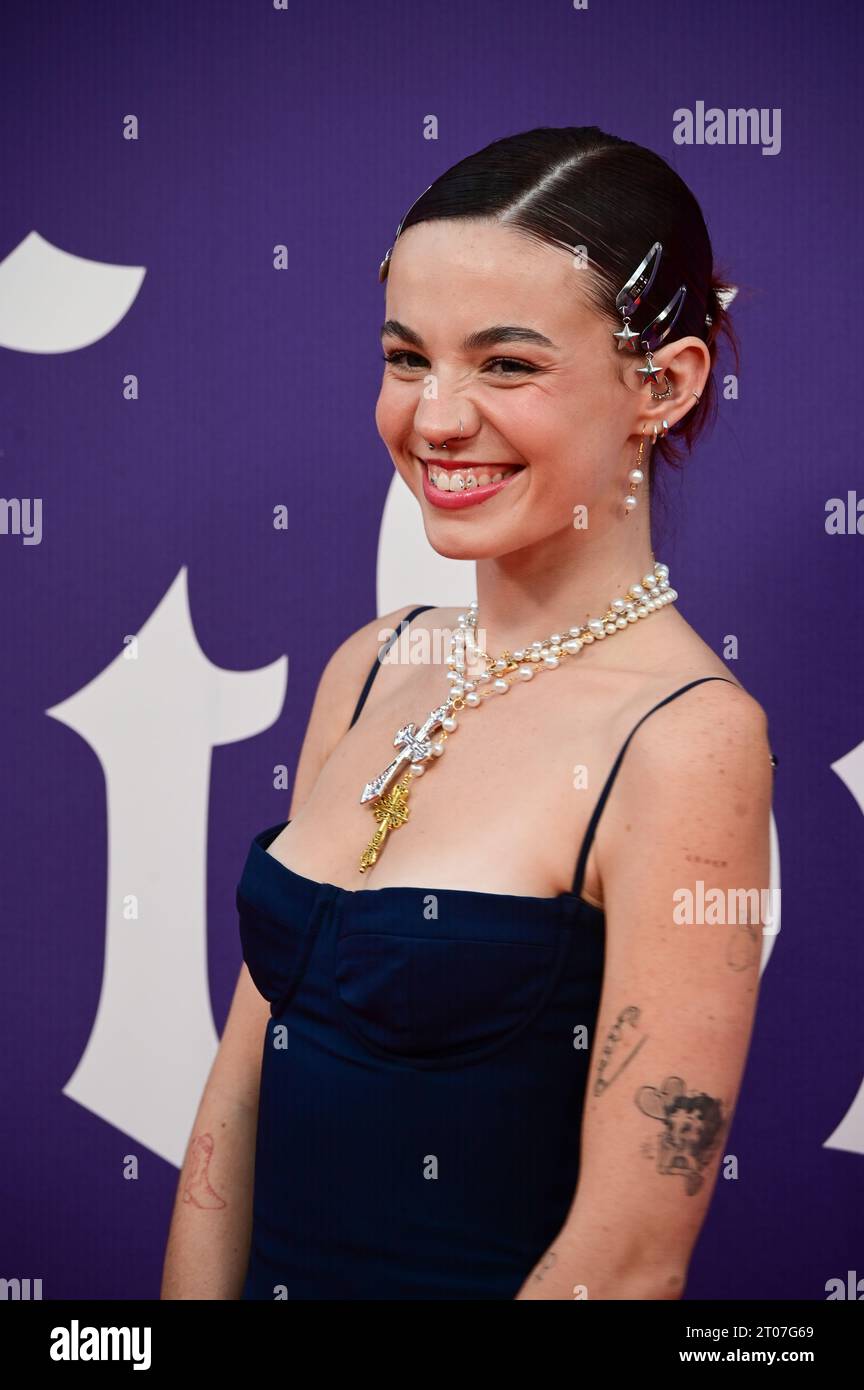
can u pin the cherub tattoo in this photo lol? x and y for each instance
(693, 1124)
(198, 1189)
(629, 1015)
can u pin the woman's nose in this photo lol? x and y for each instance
(438, 434)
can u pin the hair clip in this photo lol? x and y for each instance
(628, 300)
(651, 337)
(385, 264)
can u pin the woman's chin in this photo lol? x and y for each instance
(454, 548)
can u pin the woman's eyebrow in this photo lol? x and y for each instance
(483, 338)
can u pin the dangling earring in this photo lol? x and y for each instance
(636, 476)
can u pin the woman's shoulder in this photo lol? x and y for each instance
(350, 662)
(363, 643)
(701, 716)
(698, 706)
(339, 685)
(672, 657)
(699, 757)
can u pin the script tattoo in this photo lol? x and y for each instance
(198, 1189)
(548, 1261)
(629, 1015)
(693, 1124)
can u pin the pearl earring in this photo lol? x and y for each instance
(636, 476)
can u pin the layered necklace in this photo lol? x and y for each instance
(475, 677)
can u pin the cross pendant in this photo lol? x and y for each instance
(390, 812)
(415, 746)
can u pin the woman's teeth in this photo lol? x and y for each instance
(458, 479)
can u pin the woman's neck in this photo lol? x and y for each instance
(528, 594)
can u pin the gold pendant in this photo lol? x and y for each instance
(391, 811)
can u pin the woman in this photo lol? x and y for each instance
(500, 1056)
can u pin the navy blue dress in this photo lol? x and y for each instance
(421, 1090)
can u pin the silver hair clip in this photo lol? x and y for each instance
(385, 264)
(630, 296)
(628, 300)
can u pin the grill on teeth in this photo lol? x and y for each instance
(462, 478)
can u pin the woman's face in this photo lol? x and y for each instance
(543, 396)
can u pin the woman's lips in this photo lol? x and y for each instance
(469, 497)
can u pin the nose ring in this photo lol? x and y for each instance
(444, 446)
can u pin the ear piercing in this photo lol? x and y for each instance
(635, 478)
(627, 301)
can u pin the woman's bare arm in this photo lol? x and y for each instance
(676, 1015)
(208, 1242)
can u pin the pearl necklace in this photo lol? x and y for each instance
(470, 687)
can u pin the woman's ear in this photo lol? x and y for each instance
(686, 365)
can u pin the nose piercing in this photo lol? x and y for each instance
(444, 446)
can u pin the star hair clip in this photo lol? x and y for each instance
(629, 299)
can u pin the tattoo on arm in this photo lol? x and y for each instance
(629, 1015)
(743, 949)
(548, 1262)
(693, 1125)
(197, 1188)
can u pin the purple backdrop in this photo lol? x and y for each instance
(260, 126)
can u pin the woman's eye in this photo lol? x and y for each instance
(511, 362)
(398, 359)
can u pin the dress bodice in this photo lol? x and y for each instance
(422, 1082)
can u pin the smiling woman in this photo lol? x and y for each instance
(467, 1080)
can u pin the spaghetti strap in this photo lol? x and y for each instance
(598, 809)
(382, 651)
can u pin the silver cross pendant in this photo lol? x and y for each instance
(415, 746)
